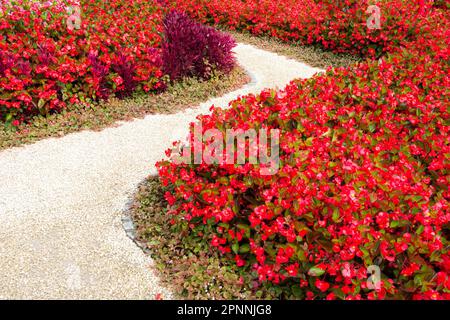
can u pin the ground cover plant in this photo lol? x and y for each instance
(178, 95)
(48, 62)
(364, 155)
(335, 25)
(191, 269)
(56, 54)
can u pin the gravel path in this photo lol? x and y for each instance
(61, 200)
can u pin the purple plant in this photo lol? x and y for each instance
(220, 49)
(24, 67)
(100, 71)
(45, 56)
(156, 57)
(6, 62)
(126, 69)
(191, 49)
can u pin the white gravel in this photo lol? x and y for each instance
(61, 200)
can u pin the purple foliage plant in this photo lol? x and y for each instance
(191, 49)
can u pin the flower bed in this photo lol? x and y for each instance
(46, 64)
(336, 25)
(364, 178)
(58, 53)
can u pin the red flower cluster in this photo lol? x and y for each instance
(364, 168)
(61, 52)
(336, 25)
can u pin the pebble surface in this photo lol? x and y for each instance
(62, 199)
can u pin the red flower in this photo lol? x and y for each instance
(118, 80)
(239, 261)
(322, 285)
(410, 270)
(292, 269)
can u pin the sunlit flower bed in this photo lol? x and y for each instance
(58, 53)
(364, 159)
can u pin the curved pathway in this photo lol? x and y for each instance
(61, 200)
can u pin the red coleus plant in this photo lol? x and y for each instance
(192, 49)
(363, 180)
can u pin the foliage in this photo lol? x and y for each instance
(56, 54)
(176, 97)
(364, 176)
(340, 26)
(191, 49)
(45, 64)
(186, 265)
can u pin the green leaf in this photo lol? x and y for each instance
(301, 255)
(394, 224)
(235, 247)
(297, 291)
(364, 251)
(244, 248)
(316, 271)
(309, 141)
(336, 216)
(8, 117)
(420, 229)
(246, 228)
(41, 103)
(339, 293)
